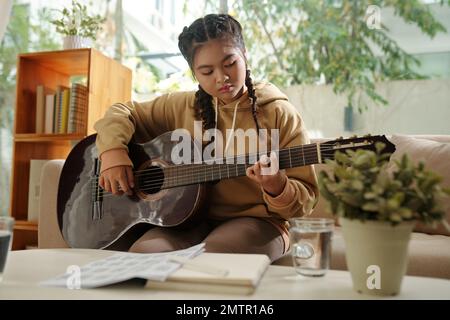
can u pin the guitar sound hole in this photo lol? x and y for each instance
(150, 180)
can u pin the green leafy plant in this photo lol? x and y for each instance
(76, 21)
(360, 186)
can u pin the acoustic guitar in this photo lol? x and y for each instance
(165, 194)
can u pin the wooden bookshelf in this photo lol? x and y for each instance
(108, 82)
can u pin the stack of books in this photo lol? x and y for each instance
(62, 110)
(242, 276)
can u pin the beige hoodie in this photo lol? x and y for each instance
(231, 197)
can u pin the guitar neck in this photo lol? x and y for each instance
(227, 168)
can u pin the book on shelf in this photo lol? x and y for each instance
(49, 112)
(34, 188)
(64, 110)
(244, 272)
(41, 101)
(61, 99)
(77, 108)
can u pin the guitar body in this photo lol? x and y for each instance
(89, 218)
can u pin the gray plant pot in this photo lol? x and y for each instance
(377, 255)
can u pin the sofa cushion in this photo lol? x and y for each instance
(436, 157)
(429, 256)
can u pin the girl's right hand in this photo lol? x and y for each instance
(112, 178)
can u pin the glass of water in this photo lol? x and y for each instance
(311, 245)
(6, 232)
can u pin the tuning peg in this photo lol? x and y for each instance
(367, 135)
(340, 138)
(354, 136)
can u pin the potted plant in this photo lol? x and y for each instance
(77, 26)
(377, 209)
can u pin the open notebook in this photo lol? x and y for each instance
(244, 272)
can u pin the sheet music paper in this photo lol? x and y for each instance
(124, 266)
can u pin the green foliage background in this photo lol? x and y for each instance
(328, 41)
(22, 35)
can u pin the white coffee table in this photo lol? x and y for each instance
(25, 269)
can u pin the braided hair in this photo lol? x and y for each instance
(213, 26)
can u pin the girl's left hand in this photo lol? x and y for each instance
(266, 173)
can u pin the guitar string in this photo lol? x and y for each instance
(141, 173)
(199, 168)
(149, 186)
(327, 146)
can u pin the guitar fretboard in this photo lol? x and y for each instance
(188, 174)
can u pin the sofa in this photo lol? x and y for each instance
(429, 248)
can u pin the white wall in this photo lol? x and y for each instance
(435, 65)
(414, 107)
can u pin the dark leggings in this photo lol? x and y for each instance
(237, 235)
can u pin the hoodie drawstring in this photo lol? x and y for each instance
(232, 126)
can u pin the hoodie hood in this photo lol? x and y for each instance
(267, 92)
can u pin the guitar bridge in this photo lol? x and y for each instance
(97, 210)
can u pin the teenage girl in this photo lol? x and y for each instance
(248, 214)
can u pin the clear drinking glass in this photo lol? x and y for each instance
(311, 245)
(6, 233)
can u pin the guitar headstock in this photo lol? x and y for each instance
(365, 142)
